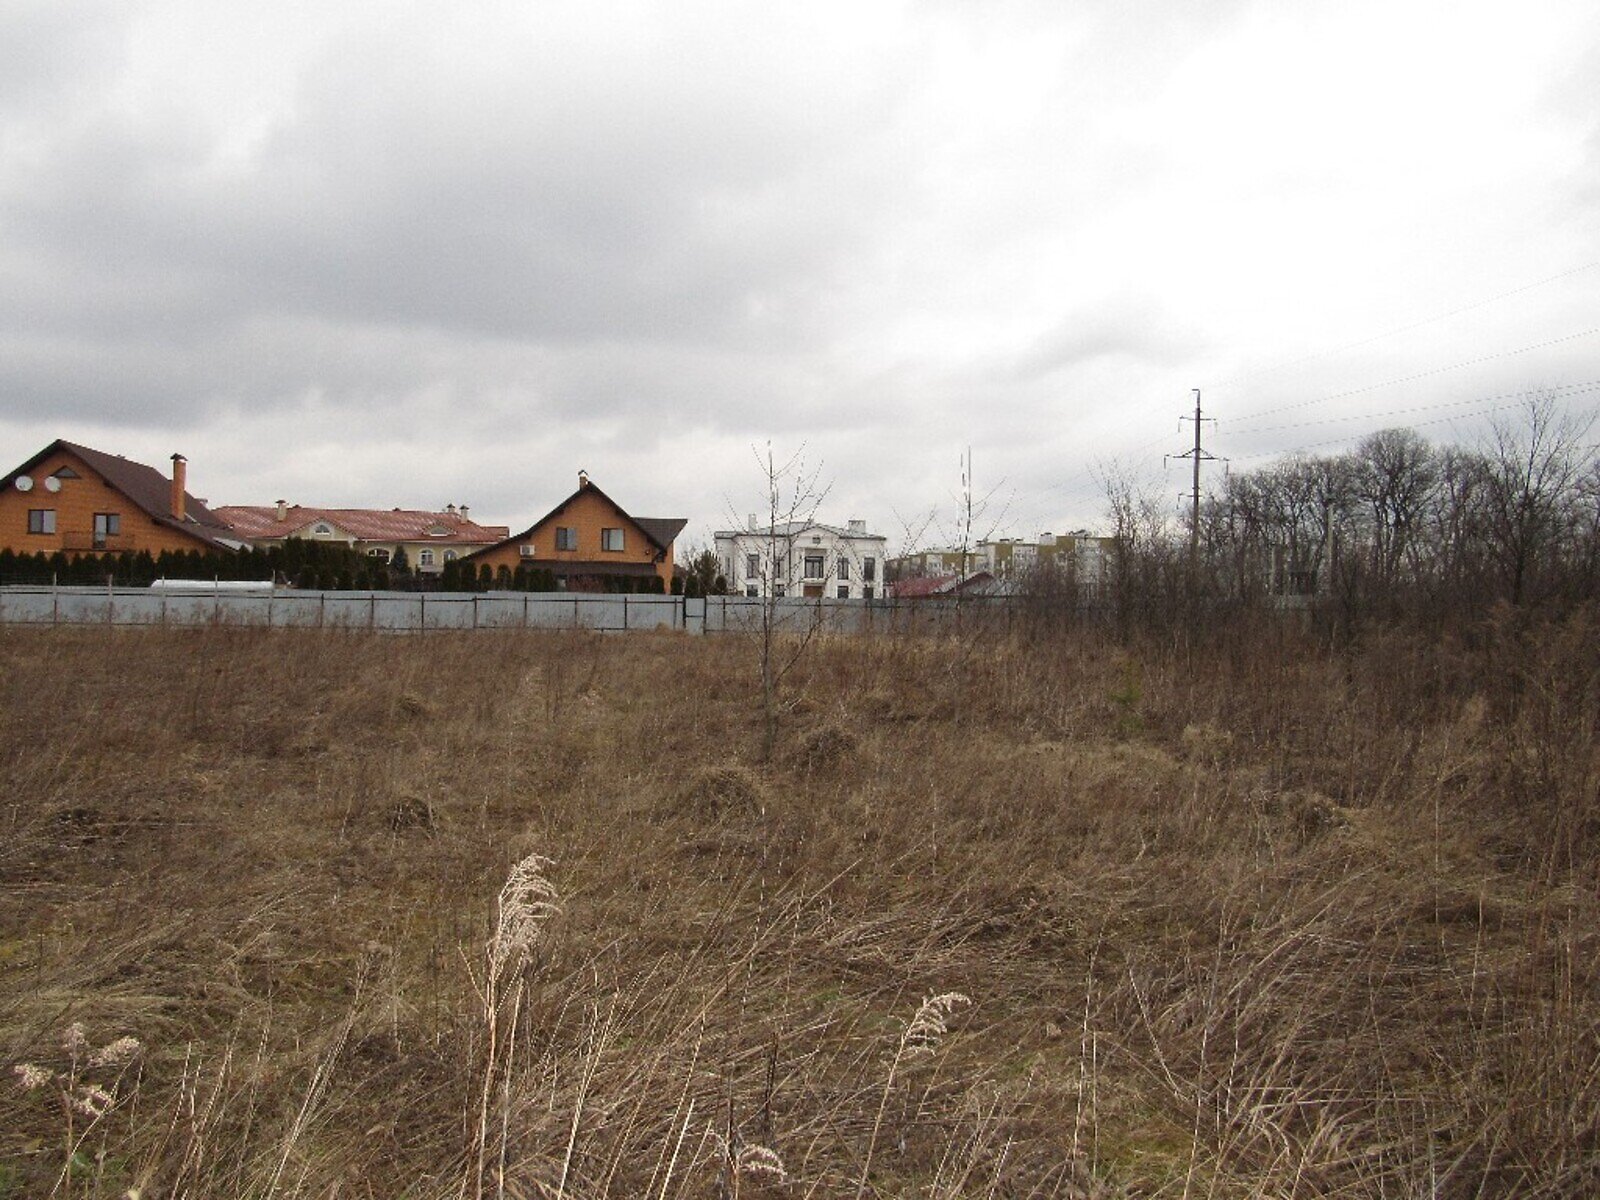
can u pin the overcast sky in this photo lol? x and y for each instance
(402, 255)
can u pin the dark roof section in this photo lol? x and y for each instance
(660, 530)
(145, 486)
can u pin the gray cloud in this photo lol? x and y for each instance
(446, 247)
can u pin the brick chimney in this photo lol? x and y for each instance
(463, 512)
(583, 479)
(283, 510)
(179, 480)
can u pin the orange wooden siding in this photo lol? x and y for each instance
(75, 507)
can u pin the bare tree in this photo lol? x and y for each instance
(1454, 525)
(1586, 549)
(794, 493)
(1530, 491)
(970, 520)
(1145, 566)
(1275, 526)
(1395, 472)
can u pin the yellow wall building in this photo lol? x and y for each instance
(79, 500)
(587, 539)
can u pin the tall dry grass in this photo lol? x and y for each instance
(1256, 917)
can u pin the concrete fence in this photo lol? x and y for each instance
(421, 612)
(394, 611)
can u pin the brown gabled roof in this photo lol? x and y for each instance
(660, 530)
(253, 521)
(147, 487)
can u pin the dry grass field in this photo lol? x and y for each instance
(997, 919)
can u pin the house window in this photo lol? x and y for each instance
(106, 525)
(779, 590)
(323, 530)
(778, 565)
(844, 568)
(844, 591)
(566, 537)
(425, 557)
(611, 539)
(869, 569)
(41, 520)
(814, 566)
(380, 554)
(867, 589)
(67, 473)
(752, 566)
(449, 556)
(751, 589)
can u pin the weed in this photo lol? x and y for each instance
(1345, 947)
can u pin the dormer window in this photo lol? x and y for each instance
(438, 531)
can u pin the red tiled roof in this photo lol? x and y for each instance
(938, 585)
(923, 585)
(260, 521)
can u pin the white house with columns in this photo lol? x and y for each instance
(803, 558)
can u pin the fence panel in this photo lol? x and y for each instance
(500, 612)
(654, 612)
(345, 610)
(136, 608)
(449, 611)
(599, 612)
(84, 608)
(27, 607)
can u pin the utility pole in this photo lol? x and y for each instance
(1199, 455)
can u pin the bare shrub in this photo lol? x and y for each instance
(726, 790)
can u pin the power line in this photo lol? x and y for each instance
(1349, 437)
(1378, 337)
(1470, 362)
(1564, 390)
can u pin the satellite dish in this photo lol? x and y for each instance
(52, 484)
(24, 483)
